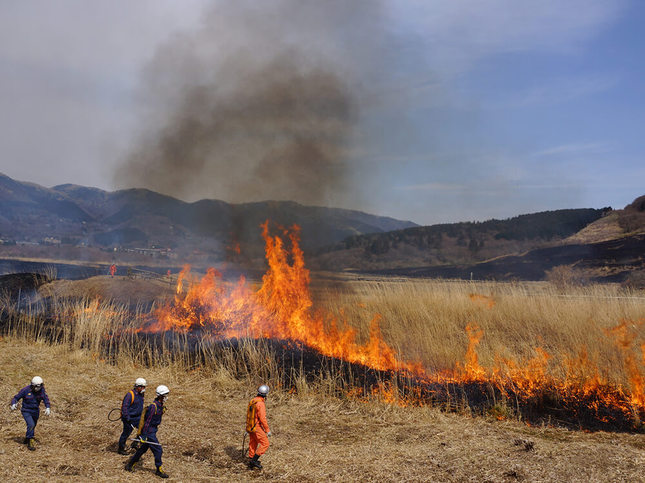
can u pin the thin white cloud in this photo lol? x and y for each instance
(560, 91)
(574, 149)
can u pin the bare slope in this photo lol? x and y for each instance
(620, 223)
(316, 439)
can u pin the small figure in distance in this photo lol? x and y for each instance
(258, 427)
(31, 396)
(131, 409)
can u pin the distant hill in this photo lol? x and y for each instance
(616, 260)
(617, 224)
(139, 227)
(140, 218)
(457, 243)
(585, 244)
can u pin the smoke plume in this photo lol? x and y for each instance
(261, 102)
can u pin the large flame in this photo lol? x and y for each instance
(281, 308)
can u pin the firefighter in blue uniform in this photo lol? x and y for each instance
(131, 409)
(31, 396)
(147, 434)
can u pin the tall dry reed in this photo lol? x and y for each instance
(426, 320)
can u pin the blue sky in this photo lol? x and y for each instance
(466, 110)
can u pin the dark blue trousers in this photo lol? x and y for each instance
(127, 431)
(31, 418)
(157, 451)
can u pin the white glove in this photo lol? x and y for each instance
(47, 411)
(14, 407)
(269, 433)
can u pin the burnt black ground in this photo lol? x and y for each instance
(619, 257)
(573, 409)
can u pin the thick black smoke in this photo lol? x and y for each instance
(260, 103)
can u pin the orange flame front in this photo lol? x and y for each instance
(471, 370)
(280, 309)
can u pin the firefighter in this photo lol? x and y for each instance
(258, 427)
(147, 434)
(131, 409)
(31, 396)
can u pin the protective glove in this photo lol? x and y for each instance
(14, 407)
(47, 411)
(269, 433)
(142, 439)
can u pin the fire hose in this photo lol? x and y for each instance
(110, 417)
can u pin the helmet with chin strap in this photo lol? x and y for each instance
(263, 390)
(163, 390)
(140, 382)
(37, 381)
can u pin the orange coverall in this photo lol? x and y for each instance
(258, 439)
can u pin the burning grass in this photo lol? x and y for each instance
(518, 351)
(316, 437)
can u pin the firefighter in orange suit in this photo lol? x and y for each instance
(258, 427)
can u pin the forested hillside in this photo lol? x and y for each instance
(466, 242)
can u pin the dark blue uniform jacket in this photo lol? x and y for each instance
(31, 399)
(152, 419)
(132, 406)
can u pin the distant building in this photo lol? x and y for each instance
(152, 252)
(50, 240)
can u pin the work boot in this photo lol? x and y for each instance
(161, 473)
(122, 450)
(25, 441)
(31, 444)
(255, 463)
(129, 466)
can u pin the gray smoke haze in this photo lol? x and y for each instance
(260, 103)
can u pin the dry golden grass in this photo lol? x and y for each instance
(603, 229)
(425, 320)
(121, 289)
(316, 438)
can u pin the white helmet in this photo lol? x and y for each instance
(162, 390)
(263, 390)
(140, 382)
(37, 381)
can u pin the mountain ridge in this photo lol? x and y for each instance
(138, 217)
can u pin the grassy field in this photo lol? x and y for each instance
(425, 320)
(318, 436)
